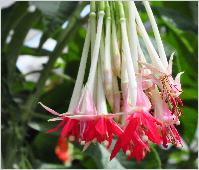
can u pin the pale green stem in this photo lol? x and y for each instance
(141, 54)
(157, 34)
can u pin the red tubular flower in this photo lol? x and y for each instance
(141, 127)
(103, 130)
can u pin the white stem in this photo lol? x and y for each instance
(157, 34)
(133, 39)
(124, 74)
(107, 64)
(129, 63)
(91, 76)
(93, 36)
(101, 100)
(151, 50)
(81, 72)
(102, 53)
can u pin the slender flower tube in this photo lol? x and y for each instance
(93, 25)
(125, 86)
(133, 39)
(127, 54)
(157, 34)
(93, 36)
(108, 76)
(152, 52)
(116, 95)
(125, 91)
(92, 72)
(81, 72)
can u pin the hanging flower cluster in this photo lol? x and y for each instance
(125, 96)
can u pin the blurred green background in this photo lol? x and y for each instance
(41, 45)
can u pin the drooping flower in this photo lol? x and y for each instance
(170, 88)
(141, 127)
(144, 96)
(165, 116)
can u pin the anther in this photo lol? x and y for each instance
(128, 152)
(144, 138)
(178, 145)
(177, 122)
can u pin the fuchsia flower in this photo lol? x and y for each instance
(170, 88)
(165, 116)
(141, 126)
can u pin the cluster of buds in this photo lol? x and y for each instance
(125, 96)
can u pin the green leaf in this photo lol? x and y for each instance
(11, 17)
(189, 94)
(51, 166)
(56, 11)
(33, 51)
(102, 157)
(151, 161)
(43, 147)
(189, 121)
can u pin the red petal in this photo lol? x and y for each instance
(67, 128)
(101, 126)
(57, 127)
(177, 136)
(116, 149)
(128, 132)
(152, 131)
(115, 129)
